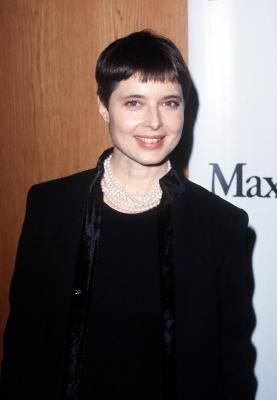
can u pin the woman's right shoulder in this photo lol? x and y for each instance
(60, 192)
(60, 184)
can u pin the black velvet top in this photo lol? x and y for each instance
(124, 331)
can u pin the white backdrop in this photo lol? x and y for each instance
(233, 61)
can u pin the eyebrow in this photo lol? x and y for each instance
(139, 96)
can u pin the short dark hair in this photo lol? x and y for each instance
(151, 56)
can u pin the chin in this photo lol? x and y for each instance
(146, 157)
(151, 160)
(152, 157)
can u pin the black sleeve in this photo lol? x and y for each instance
(24, 250)
(237, 318)
(20, 303)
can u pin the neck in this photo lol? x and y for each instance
(136, 178)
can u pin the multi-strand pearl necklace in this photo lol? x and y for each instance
(117, 197)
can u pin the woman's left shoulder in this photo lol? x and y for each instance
(211, 205)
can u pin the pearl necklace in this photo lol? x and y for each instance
(117, 197)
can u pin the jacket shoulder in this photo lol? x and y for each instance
(212, 205)
(78, 178)
(60, 186)
(61, 195)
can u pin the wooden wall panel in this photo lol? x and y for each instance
(49, 124)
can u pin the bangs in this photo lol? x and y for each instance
(144, 75)
(158, 76)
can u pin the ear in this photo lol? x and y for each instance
(103, 110)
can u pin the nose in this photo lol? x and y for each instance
(153, 118)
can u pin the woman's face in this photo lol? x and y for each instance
(145, 119)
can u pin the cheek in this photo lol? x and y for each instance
(123, 123)
(175, 122)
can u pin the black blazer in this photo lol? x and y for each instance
(213, 281)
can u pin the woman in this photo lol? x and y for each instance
(131, 281)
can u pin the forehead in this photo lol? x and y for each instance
(135, 86)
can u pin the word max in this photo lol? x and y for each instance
(254, 186)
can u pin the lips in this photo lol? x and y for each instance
(150, 141)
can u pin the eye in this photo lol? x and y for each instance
(172, 104)
(132, 103)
